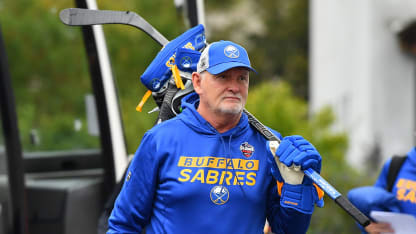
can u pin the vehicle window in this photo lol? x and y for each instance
(51, 84)
(50, 76)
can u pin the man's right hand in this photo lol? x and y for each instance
(293, 155)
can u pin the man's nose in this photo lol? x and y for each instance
(234, 85)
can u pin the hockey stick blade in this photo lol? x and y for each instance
(80, 17)
(344, 203)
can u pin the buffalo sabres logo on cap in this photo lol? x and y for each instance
(247, 149)
(231, 52)
(219, 195)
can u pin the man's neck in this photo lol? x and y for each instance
(220, 121)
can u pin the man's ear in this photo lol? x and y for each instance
(196, 81)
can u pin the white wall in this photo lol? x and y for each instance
(357, 67)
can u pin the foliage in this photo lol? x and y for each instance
(277, 107)
(284, 45)
(50, 73)
(44, 78)
(275, 35)
(46, 67)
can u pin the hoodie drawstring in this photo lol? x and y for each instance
(228, 155)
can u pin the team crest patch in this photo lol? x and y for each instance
(155, 83)
(219, 195)
(186, 62)
(231, 52)
(247, 149)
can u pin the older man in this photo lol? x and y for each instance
(208, 171)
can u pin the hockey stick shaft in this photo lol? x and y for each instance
(315, 177)
(79, 17)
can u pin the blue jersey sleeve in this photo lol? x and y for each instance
(284, 220)
(133, 207)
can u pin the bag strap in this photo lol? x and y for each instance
(395, 165)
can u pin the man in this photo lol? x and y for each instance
(394, 191)
(208, 171)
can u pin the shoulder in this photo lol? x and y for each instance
(385, 168)
(155, 142)
(163, 132)
(165, 128)
(382, 178)
(260, 136)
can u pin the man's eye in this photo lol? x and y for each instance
(243, 78)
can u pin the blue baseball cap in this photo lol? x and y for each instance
(223, 55)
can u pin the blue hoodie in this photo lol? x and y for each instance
(186, 177)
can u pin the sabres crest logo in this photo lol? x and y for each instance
(247, 149)
(219, 195)
(155, 83)
(231, 51)
(186, 62)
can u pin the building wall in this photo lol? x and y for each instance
(357, 67)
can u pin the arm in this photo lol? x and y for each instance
(296, 193)
(133, 207)
(368, 198)
(284, 220)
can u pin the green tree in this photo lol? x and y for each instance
(46, 66)
(50, 73)
(275, 33)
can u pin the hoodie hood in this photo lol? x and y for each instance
(196, 122)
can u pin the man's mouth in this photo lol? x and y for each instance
(232, 98)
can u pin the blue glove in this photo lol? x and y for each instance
(295, 189)
(301, 197)
(298, 151)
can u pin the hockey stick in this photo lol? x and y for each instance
(343, 202)
(77, 16)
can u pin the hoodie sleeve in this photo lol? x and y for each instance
(133, 207)
(284, 220)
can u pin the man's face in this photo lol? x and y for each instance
(224, 93)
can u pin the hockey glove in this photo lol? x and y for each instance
(159, 71)
(287, 162)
